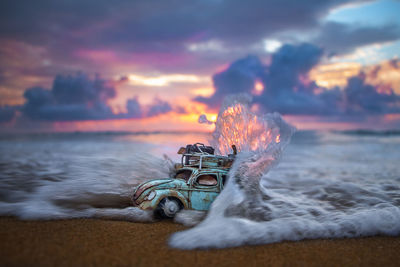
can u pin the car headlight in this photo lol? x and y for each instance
(150, 196)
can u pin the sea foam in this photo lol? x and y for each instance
(326, 185)
(257, 207)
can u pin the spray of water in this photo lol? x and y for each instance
(54, 179)
(87, 190)
(255, 208)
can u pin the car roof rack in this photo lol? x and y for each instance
(201, 156)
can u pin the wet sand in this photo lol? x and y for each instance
(84, 242)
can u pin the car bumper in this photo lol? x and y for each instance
(146, 205)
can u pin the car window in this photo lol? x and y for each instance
(183, 174)
(207, 179)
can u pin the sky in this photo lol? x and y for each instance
(152, 65)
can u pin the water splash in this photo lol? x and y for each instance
(86, 187)
(327, 184)
(259, 208)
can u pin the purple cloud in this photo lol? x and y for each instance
(71, 98)
(76, 98)
(158, 107)
(238, 78)
(7, 113)
(287, 91)
(131, 30)
(360, 98)
(339, 38)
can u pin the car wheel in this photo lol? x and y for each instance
(168, 207)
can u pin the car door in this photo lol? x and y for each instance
(204, 189)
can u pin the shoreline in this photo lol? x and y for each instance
(82, 242)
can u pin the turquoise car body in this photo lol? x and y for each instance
(189, 193)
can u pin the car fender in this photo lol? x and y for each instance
(161, 194)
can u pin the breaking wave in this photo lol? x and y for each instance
(72, 183)
(327, 185)
(257, 207)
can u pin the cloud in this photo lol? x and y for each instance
(158, 107)
(238, 78)
(284, 90)
(163, 80)
(288, 90)
(361, 98)
(71, 98)
(153, 36)
(81, 89)
(134, 109)
(77, 98)
(385, 75)
(7, 113)
(158, 26)
(339, 38)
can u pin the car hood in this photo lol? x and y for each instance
(158, 184)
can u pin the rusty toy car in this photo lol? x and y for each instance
(198, 180)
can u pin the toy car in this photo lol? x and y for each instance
(198, 180)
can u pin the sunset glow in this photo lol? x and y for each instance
(115, 69)
(164, 80)
(335, 74)
(258, 88)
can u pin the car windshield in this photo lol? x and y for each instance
(183, 174)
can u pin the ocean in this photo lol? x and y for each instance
(327, 184)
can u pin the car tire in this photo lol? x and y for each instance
(169, 207)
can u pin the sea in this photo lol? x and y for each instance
(310, 184)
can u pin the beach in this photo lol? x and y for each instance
(327, 186)
(84, 242)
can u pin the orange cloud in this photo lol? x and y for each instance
(383, 76)
(164, 80)
(335, 74)
(258, 88)
(203, 91)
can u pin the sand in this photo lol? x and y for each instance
(83, 242)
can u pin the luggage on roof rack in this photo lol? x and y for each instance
(199, 148)
(201, 156)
